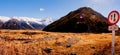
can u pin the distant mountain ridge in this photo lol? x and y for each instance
(84, 19)
(23, 23)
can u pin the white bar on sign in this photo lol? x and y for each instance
(113, 27)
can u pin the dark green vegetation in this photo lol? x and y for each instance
(83, 19)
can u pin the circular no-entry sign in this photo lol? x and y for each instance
(113, 17)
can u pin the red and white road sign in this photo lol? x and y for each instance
(113, 27)
(113, 17)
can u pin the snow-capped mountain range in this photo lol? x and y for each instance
(23, 22)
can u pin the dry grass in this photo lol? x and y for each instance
(35, 42)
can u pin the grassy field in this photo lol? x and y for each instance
(36, 42)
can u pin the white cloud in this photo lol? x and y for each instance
(42, 9)
(97, 0)
(101, 1)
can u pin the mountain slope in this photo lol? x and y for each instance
(37, 25)
(25, 25)
(83, 19)
(12, 24)
(1, 23)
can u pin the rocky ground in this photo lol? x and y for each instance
(36, 42)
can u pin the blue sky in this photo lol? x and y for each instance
(53, 8)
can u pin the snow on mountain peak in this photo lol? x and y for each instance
(24, 22)
(26, 19)
(45, 21)
(4, 18)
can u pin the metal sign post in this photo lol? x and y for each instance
(113, 42)
(113, 18)
(113, 28)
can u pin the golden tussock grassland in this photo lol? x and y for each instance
(37, 42)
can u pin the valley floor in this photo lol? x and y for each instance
(36, 42)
